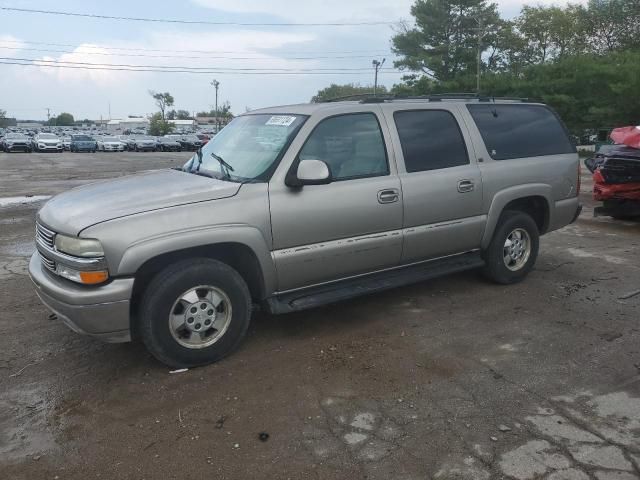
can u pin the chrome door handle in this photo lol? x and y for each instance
(465, 186)
(388, 196)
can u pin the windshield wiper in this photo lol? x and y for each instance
(224, 166)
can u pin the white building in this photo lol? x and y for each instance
(130, 123)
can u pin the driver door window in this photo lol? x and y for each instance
(352, 146)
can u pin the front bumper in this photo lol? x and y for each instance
(50, 148)
(111, 148)
(102, 311)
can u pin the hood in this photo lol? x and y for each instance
(73, 211)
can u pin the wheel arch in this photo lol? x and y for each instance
(533, 199)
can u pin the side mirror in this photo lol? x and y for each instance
(311, 172)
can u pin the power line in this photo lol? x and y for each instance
(39, 63)
(140, 49)
(198, 57)
(183, 67)
(199, 22)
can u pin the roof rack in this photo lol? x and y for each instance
(434, 97)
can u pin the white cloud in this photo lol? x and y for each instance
(11, 46)
(317, 11)
(325, 11)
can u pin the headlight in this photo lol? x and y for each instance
(79, 247)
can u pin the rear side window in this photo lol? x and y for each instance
(517, 131)
(430, 139)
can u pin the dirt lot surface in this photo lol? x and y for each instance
(451, 378)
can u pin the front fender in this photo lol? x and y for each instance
(142, 251)
(503, 197)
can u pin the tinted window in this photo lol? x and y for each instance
(351, 145)
(516, 131)
(430, 139)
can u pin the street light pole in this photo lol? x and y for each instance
(377, 64)
(216, 85)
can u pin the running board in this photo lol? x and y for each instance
(345, 289)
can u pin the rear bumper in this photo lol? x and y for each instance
(101, 312)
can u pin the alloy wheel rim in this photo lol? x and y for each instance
(200, 317)
(517, 249)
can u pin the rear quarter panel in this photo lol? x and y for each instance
(553, 177)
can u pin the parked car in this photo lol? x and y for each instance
(66, 143)
(47, 142)
(12, 142)
(190, 142)
(168, 144)
(344, 199)
(145, 143)
(129, 142)
(83, 143)
(109, 144)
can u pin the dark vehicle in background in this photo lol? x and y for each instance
(129, 142)
(191, 142)
(188, 142)
(47, 142)
(145, 144)
(83, 143)
(16, 142)
(168, 144)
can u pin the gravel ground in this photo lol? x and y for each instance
(451, 378)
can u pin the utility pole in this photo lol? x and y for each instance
(377, 64)
(48, 114)
(216, 85)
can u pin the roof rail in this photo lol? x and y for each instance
(433, 97)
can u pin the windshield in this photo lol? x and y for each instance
(82, 138)
(47, 135)
(250, 145)
(110, 139)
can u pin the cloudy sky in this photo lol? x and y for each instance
(345, 52)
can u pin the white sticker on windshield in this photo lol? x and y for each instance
(281, 120)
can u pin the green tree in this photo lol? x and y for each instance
(337, 91)
(159, 126)
(444, 41)
(163, 101)
(224, 111)
(64, 119)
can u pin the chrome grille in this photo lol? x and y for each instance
(50, 264)
(46, 236)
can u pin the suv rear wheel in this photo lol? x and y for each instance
(513, 249)
(194, 312)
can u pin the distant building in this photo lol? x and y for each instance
(130, 123)
(29, 124)
(8, 122)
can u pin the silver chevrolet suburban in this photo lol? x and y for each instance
(292, 207)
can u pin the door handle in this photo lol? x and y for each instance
(388, 196)
(465, 186)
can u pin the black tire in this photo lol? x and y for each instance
(167, 287)
(495, 268)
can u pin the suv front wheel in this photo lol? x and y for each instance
(194, 312)
(513, 249)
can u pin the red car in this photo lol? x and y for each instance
(203, 138)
